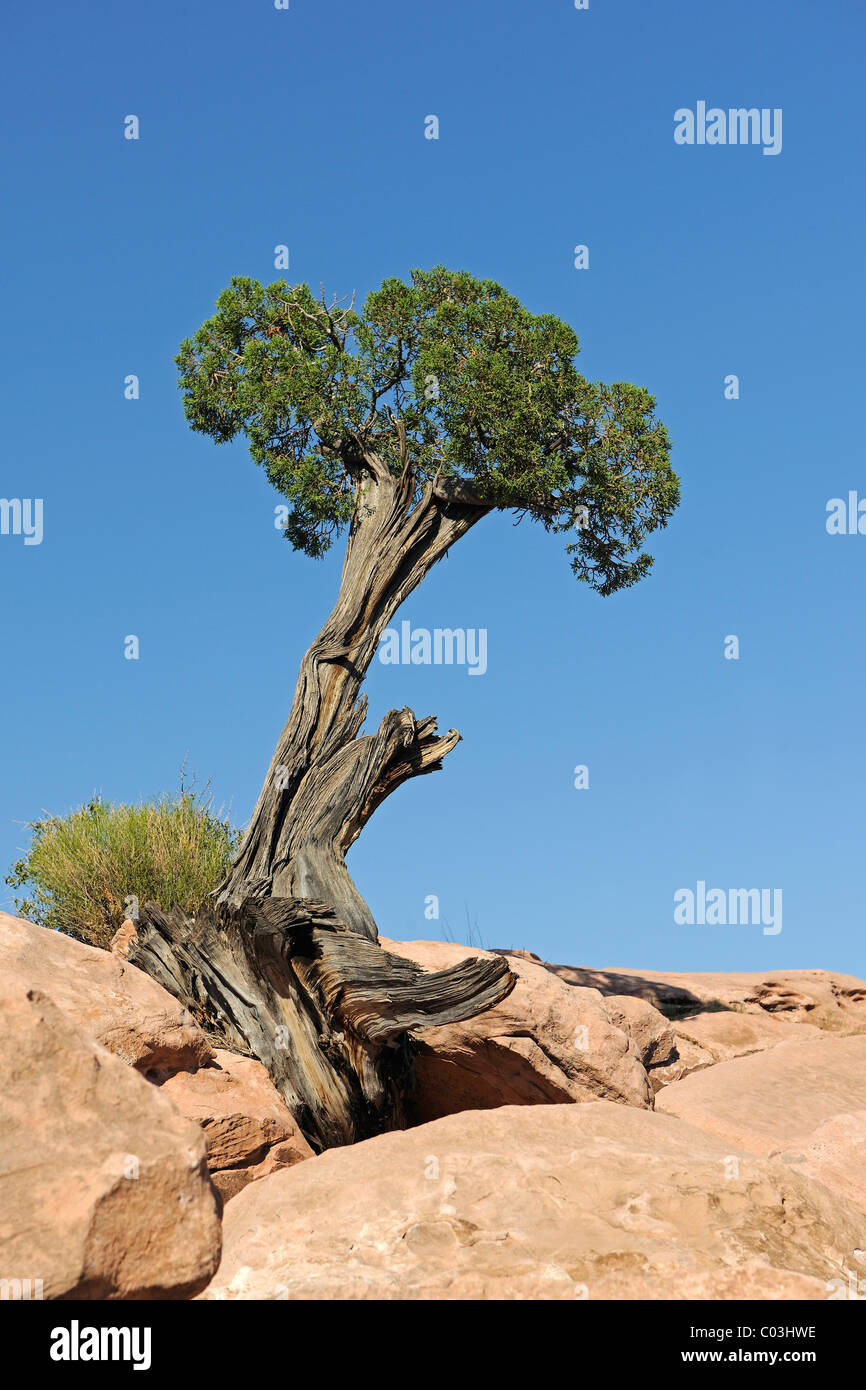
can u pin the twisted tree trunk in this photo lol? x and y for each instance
(324, 781)
(283, 963)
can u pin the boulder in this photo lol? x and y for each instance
(110, 1000)
(649, 1030)
(598, 1201)
(104, 1190)
(249, 1130)
(123, 938)
(686, 1058)
(781, 1101)
(547, 1043)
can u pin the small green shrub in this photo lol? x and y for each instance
(82, 869)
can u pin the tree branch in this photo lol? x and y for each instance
(458, 490)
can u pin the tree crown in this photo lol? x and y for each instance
(448, 376)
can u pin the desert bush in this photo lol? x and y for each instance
(84, 870)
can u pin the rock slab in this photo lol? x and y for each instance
(597, 1201)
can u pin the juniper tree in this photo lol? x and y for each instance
(404, 425)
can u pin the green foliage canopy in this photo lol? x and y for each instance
(450, 376)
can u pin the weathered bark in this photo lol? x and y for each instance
(326, 1010)
(283, 962)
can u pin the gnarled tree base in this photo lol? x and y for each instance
(326, 1010)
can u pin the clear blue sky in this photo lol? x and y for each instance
(306, 127)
